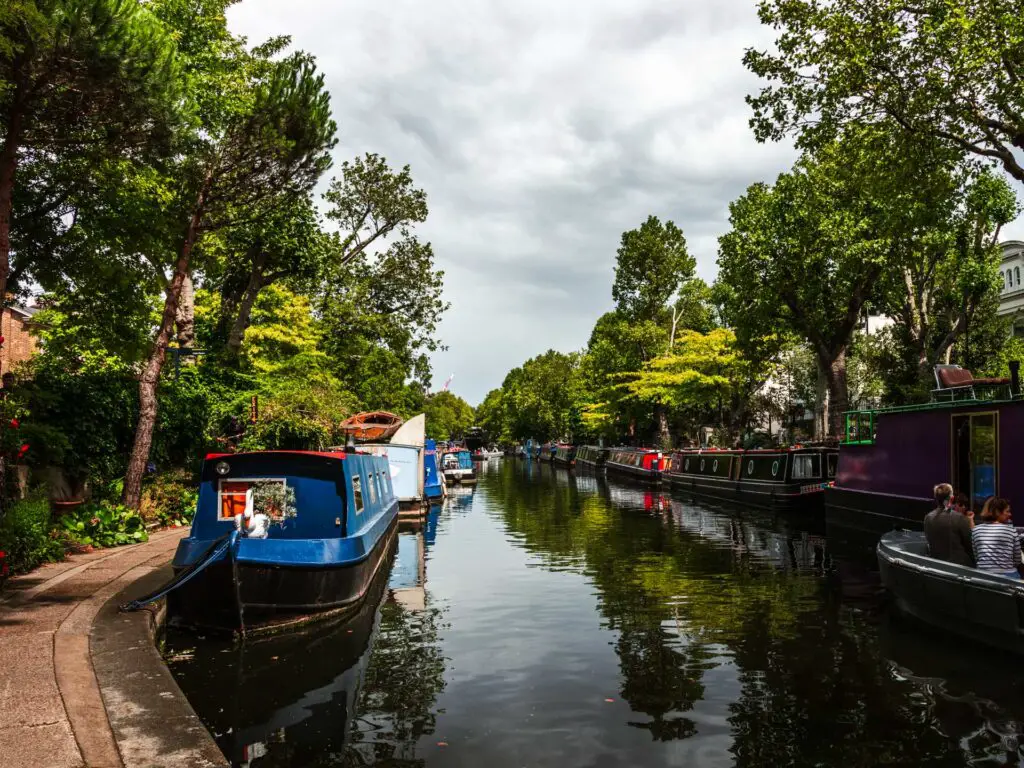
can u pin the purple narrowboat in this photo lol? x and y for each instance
(891, 458)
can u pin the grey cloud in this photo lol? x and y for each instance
(540, 132)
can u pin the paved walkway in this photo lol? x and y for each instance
(52, 710)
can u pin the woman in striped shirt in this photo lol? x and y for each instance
(996, 543)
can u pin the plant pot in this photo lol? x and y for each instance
(62, 507)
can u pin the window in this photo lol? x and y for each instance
(803, 467)
(1002, 277)
(372, 488)
(234, 498)
(357, 493)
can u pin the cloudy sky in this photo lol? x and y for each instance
(540, 130)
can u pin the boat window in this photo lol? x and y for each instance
(234, 498)
(803, 467)
(371, 488)
(357, 493)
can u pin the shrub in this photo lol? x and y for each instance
(170, 499)
(104, 524)
(26, 535)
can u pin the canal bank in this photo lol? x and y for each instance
(84, 685)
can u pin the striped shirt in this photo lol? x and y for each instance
(996, 547)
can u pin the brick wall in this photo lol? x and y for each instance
(20, 343)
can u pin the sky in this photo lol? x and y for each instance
(540, 132)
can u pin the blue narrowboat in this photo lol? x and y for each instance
(282, 536)
(432, 488)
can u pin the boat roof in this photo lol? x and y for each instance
(327, 454)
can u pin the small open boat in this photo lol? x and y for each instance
(328, 521)
(371, 426)
(981, 606)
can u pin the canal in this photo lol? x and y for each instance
(556, 619)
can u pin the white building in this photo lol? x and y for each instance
(1011, 300)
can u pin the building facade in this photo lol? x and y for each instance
(1011, 272)
(20, 340)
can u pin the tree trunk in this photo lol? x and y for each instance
(186, 319)
(838, 392)
(8, 168)
(821, 404)
(238, 328)
(664, 435)
(151, 373)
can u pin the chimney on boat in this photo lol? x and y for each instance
(350, 443)
(1015, 377)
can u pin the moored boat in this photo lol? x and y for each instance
(890, 458)
(645, 464)
(457, 467)
(591, 456)
(981, 606)
(371, 426)
(319, 527)
(547, 451)
(565, 455)
(790, 477)
(433, 483)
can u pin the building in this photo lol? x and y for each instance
(20, 340)
(1011, 298)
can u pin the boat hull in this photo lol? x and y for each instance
(981, 606)
(651, 476)
(262, 597)
(874, 512)
(787, 496)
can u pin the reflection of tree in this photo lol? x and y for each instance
(403, 679)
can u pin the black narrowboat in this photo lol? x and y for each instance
(591, 456)
(791, 477)
(646, 464)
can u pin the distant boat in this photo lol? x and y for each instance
(372, 426)
(433, 482)
(405, 458)
(642, 463)
(457, 467)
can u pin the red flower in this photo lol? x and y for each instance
(14, 423)
(23, 450)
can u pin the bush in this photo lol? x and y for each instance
(170, 499)
(27, 536)
(104, 524)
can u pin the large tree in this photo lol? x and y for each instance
(652, 265)
(262, 133)
(807, 253)
(81, 82)
(949, 69)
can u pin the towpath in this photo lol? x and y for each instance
(81, 684)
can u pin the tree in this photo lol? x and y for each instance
(448, 415)
(706, 374)
(266, 138)
(80, 83)
(651, 267)
(948, 69)
(807, 253)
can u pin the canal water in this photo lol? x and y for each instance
(549, 618)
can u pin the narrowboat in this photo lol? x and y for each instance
(405, 460)
(371, 426)
(645, 464)
(980, 606)
(433, 483)
(565, 455)
(320, 526)
(547, 451)
(793, 477)
(457, 467)
(591, 456)
(891, 458)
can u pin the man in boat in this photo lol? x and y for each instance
(947, 531)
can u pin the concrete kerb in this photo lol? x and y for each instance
(152, 722)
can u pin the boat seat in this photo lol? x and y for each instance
(952, 381)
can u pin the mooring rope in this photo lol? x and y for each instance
(215, 551)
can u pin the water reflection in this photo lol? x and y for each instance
(557, 618)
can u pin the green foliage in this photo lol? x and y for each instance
(948, 69)
(170, 498)
(448, 416)
(652, 265)
(104, 524)
(273, 499)
(26, 535)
